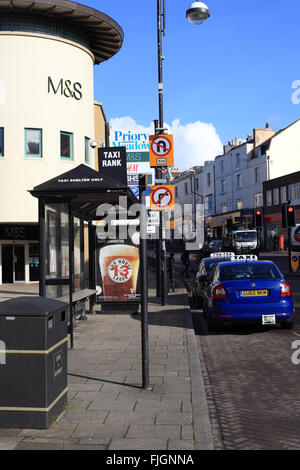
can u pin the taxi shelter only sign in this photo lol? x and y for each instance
(161, 150)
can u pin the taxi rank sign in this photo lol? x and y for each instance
(113, 163)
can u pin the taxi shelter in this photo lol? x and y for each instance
(68, 205)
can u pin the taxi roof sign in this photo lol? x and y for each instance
(222, 255)
(244, 258)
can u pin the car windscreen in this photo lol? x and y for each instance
(246, 237)
(235, 272)
(210, 264)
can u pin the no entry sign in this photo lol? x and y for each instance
(162, 197)
(161, 150)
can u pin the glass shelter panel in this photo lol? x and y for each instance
(57, 248)
(78, 268)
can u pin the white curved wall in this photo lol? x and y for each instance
(27, 60)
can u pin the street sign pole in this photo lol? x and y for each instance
(290, 249)
(158, 242)
(159, 128)
(144, 283)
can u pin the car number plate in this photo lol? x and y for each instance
(254, 293)
(268, 319)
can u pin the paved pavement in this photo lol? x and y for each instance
(108, 409)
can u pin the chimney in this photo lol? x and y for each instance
(267, 125)
(249, 138)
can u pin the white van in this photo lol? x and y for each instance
(244, 241)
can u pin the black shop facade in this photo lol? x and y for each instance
(19, 253)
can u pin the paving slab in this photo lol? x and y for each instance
(107, 406)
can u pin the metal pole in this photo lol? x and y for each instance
(144, 283)
(158, 242)
(290, 249)
(161, 31)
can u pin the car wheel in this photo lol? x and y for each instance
(212, 326)
(287, 325)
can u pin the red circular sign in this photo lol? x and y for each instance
(161, 146)
(162, 197)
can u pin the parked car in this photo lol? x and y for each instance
(202, 277)
(248, 292)
(215, 246)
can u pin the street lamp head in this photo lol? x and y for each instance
(197, 13)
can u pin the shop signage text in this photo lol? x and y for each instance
(66, 88)
(133, 141)
(19, 232)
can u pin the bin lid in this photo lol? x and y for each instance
(31, 306)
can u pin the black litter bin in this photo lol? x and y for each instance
(33, 362)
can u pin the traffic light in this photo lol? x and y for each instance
(288, 216)
(283, 216)
(291, 216)
(258, 218)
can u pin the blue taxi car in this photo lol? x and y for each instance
(201, 280)
(248, 292)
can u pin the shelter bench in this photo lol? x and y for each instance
(78, 302)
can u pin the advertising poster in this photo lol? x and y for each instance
(118, 271)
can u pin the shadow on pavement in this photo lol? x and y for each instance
(104, 380)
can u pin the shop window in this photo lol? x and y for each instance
(33, 143)
(1, 141)
(66, 146)
(87, 150)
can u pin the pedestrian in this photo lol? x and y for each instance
(275, 242)
(185, 259)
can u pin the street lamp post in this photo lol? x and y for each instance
(197, 13)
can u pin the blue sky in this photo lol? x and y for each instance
(235, 71)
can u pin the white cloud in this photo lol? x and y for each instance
(194, 143)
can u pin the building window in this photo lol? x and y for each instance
(1, 141)
(283, 195)
(257, 175)
(176, 191)
(258, 200)
(196, 184)
(239, 181)
(208, 179)
(209, 203)
(269, 197)
(223, 208)
(237, 161)
(223, 186)
(66, 146)
(222, 166)
(33, 143)
(186, 188)
(239, 204)
(294, 192)
(275, 196)
(87, 150)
